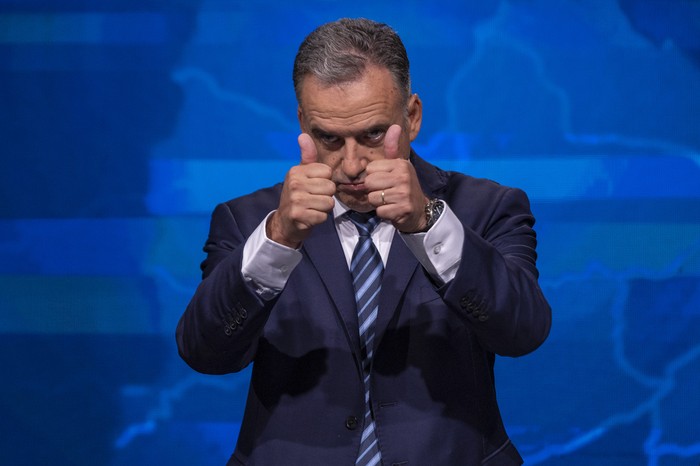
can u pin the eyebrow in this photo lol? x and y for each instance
(318, 132)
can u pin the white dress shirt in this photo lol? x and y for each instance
(267, 265)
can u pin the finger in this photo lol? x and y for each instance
(320, 186)
(391, 142)
(308, 149)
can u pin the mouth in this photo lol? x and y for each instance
(354, 188)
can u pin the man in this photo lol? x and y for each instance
(401, 374)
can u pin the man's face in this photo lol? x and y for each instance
(348, 122)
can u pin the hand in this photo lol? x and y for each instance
(394, 188)
(306, 200)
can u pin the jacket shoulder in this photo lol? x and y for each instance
(445, 183)
(250, 209)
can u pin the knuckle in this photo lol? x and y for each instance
(330, 187)
(296, 198)
(295, 184)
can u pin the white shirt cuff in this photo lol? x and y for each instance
(267, 265)
(439, 250)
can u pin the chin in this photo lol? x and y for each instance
(358, 205)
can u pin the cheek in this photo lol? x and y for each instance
(405, 146)
(375, 153)
(332, 159)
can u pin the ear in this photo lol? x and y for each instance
(301, 119)
(415, 116)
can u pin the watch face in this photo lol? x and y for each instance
(433, 210)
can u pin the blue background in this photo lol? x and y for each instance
(122, 124)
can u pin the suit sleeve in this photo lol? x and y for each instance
(496, 288)
(220, 328)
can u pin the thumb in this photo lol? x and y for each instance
(391, 142)
(308, 149)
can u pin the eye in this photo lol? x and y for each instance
(328, 139)
(330, 142)
(374, 137)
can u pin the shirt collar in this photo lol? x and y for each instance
(339, 209)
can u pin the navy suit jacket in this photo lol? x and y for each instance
(433, 388)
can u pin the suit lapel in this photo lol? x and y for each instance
(401, 265)
(323, 249)
(325, 252)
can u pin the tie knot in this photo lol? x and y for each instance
(364, 221)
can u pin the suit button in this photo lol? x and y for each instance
(464, 302)
(351, 423)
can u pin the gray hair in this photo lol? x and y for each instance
(340, 52)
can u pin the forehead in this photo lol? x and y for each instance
(373, 99)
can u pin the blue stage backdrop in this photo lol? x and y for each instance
(123, 122)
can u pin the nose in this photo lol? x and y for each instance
(354, 160)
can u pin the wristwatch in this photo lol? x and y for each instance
(433, 210)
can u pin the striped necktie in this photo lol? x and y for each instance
(367, 270)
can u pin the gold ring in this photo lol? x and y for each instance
(383, 201)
